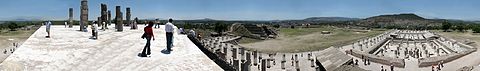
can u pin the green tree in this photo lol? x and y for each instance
(476, 29)
(446, 26)
(220, 27)
(461, 27)
(12, 26)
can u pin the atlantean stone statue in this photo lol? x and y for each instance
(103, 17)
(83, 15)
(109, 18)
(128, 16)
(118, 19)
(70, 17)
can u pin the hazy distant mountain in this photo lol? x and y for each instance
(206, 19)
(22, 18)
(331, 19)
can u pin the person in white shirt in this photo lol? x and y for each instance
(169, 28)
(94, 30)
(104, 26)
(47, 28)
(180, 30)
(192, 32)
(65, 24)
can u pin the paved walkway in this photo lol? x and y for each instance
(69, 49)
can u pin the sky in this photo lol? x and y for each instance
(244, 9)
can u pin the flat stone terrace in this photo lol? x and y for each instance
(72, 50)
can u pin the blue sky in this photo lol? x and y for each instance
(246, 9)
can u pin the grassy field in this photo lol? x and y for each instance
(461, 36)
(309, 39)
(8, 37)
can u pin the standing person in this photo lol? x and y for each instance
(381, 68)
(157, 23)
(95, 30)
(180, 30)
(169, 28)
(148, 35)
(104, 26)
(391, 67)
(47, 25)
(65, 24)
(192, 32)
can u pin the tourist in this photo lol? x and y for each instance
(65, 24)
(441, 63)
(391, 67)
(47, 28)
(134, 25)
(94, 30)
(368, 60)
(157, 23)
(148, 35)
(192, 32)
(356, 61)
(438, 67)
(104, 26)
(433, 67)
(180, 30)
(381, 68)
(169, 28)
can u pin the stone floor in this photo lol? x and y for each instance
(69, 49)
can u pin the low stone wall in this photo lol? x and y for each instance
(425, 62)
(378, 45)
(379, 59)
(219, 61)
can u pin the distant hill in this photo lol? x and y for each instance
(406, 20)
(331, 19)
(22, 18)
(406, 16)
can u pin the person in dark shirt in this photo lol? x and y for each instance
(148, 35)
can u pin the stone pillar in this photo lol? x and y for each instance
(268, 63)
(242, 54)
(236, 64)
(264, 66)
(255, 57)
(70, 17)
(283, 62)
(246, 64)
(103, 17)
(119, 20)
(109, 18)
(129, 23)
(225, 50)
(83, 14)
(248, 57)
(234, 53)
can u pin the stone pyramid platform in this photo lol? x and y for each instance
(69, 49)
